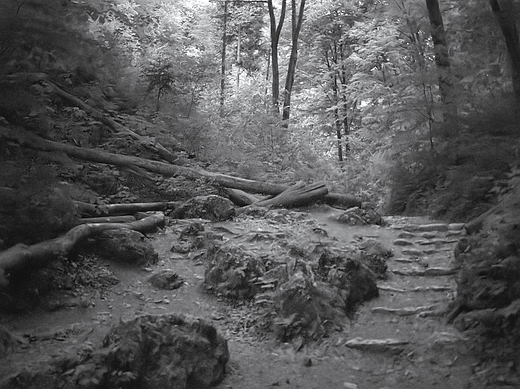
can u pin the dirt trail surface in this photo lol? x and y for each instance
(397, 341)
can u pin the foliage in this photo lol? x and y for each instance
(366, 82)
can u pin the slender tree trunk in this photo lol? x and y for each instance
(223, 61)
(332, 63)
(267, 75)
(442, 60)
(276, 30)
(342, 91)
(507, 15)
(337, 118)
(239, 42)
(297, 20)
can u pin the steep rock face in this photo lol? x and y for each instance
(489, 282)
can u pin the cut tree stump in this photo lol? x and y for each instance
(22, 257)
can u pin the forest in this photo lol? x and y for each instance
(173, 116)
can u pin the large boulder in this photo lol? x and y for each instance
(211, 207)
(166, 351)
(126, 246)
(30, 215)
(149, 352)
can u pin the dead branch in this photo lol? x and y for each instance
(22, 257)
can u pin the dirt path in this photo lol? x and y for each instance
(426, 353)
(420, 350)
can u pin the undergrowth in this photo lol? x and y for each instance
(461, 177)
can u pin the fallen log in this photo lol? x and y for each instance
(298, 195)
(22, 257)
(343, 201)
(107, 121)
(93, 210)
(239, 197)
(27, 139)
(108, 219)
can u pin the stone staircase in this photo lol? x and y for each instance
(405, 330)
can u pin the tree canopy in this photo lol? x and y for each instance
(365, 81)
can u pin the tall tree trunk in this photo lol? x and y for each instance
(507, 13)
(238, 63)
(223, 61)
(276, 30)
(332, 64)
(297, 20)
(442, 60)
(343, 86)
(337, 118)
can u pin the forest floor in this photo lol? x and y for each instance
(419, 349)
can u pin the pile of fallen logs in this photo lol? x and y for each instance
(95, 219)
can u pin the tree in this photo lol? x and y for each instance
(296, 25)
(326, 50)
(223, 58)
(442, 60)
(275, 31)
(507, 13)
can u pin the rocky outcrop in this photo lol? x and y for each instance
(148, 352)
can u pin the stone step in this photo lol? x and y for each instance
(434, 288)
(428, 272)
(408, 311)
(432, 227)
(375, 344)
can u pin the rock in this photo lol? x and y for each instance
(429, 272)
(428, 235)
(148, 352)
(375, 344)
(232, 271)
(433, 227)
(374, 255)
(406, 235)
(307, 309)
(166, 351)
(454, 233)
(37, 213)
(456, 226)
(413, 252)
(439, 340)
(402, 242)
(408, 311)
(359, 216)
(127, 246)
(8, 341)
(405, 260)
(440, 271)
(193, 229)
(212, 207)
(166, 279)
(361, 283)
